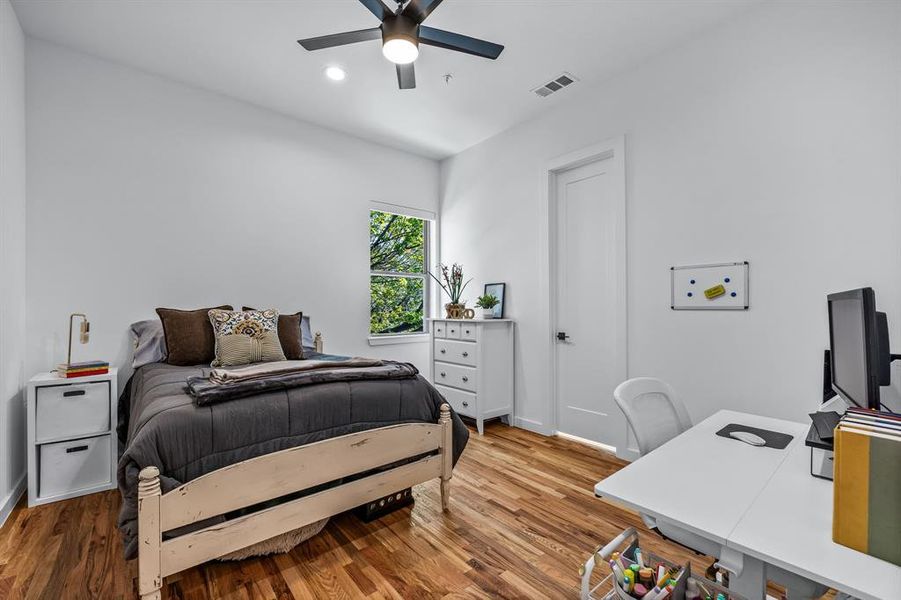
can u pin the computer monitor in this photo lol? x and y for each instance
(858, 344)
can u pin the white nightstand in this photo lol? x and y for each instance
(72, 447)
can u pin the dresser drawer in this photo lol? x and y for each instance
(75, 465)
(453, 330)
(440, 329)
(468, 332)
(72, 410)
(456, 376)
(462, 402)
(461, 353)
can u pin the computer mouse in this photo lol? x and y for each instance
(748, 438)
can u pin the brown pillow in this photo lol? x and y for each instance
(288, 334)
(189, 335)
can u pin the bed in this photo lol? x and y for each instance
(188, 473)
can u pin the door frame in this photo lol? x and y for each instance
(612, 150)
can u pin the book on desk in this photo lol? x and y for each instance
(867, 484)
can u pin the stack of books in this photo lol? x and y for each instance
(83, 369)
(867, 487)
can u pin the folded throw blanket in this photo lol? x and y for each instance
(251, 381)
(283, 367)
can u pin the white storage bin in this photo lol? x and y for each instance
(74, 465)
(66, 411)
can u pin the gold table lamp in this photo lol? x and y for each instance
(84, 332)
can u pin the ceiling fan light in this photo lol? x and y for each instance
(400, 50)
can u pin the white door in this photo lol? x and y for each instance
(590, 301)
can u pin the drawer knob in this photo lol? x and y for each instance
(467, 331)
(443, 374)
(453, 330)
(465, 403)
(465, 354)
(465, 378)
(76, 449)
(71, 393)
(443, 351)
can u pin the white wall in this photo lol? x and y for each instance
(144, 192)
(12, 258)
(775, 138)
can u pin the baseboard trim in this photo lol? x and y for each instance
(530, 425)
(12, 499)
(592, 443)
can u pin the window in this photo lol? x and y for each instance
(398, 286)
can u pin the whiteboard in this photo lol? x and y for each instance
(689, 284)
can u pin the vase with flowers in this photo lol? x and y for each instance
(451, 281)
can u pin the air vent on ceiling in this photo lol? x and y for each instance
(555, 85)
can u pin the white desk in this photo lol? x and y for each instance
(767, 507)
(790, 526)
(695, 481)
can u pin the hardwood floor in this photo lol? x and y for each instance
(522, 520)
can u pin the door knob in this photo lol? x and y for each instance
(561, 335)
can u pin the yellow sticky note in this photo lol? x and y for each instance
(714, 292)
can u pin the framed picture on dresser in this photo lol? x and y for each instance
(497, 290)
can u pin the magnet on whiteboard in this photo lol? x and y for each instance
(714, 292)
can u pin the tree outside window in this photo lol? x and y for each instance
(398, 258)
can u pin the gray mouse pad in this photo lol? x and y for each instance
(773, 439)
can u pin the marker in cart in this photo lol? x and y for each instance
(707, 595)
(666, 592)
(629, 580)
(617, 570)
(635, 568)
(638, 558)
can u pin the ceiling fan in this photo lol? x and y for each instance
(401, 33)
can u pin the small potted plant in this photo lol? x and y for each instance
(451, 282)
(487, 302)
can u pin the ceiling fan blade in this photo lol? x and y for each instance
(461, 43)
(406, 77)
(418, 10)
(378, 8)
(341, 39)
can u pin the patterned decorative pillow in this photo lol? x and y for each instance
(244, 337)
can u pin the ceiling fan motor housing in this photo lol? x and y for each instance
(400, 27)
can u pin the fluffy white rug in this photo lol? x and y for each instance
(280, 543)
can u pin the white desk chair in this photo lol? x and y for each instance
(656, 415)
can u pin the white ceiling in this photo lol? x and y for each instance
(247, 49)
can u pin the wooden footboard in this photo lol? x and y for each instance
(273, 476)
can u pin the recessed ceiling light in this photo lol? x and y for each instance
(335, 73)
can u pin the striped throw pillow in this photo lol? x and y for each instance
(244, 337)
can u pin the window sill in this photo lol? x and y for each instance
(410, 338)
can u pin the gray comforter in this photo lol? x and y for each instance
(160, 425)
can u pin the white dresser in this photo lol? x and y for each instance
(473, 366)
(72, 447)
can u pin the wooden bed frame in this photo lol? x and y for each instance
(275, 475)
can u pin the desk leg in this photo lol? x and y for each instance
(751, 582)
